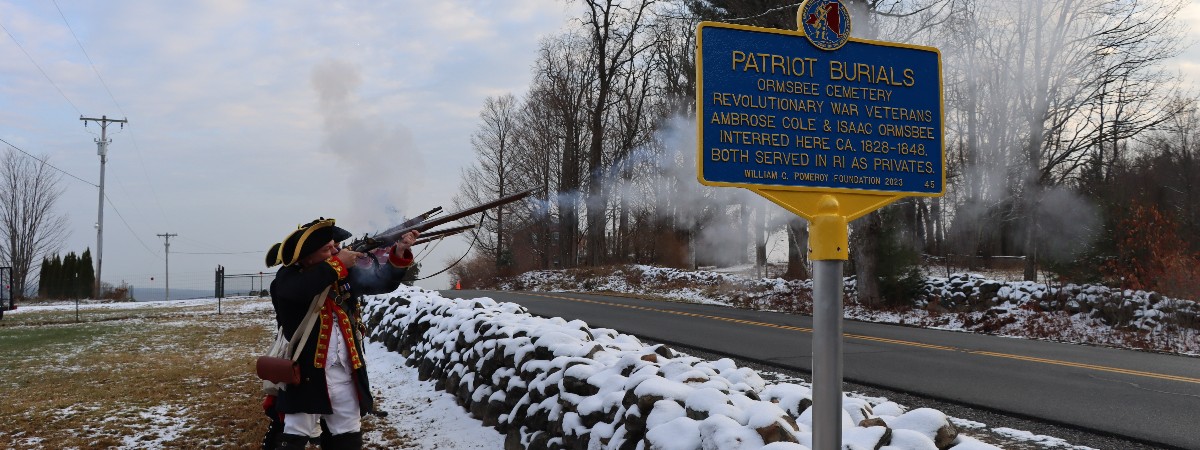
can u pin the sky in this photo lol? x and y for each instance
(1188, 63)
(246, 119)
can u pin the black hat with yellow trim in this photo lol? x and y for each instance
(273, 258)
(306, 239)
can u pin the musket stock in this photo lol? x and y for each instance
(392, 235)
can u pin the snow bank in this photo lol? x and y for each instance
(553, 383)
(1087, 314)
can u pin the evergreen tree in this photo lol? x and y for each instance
(42, 279)
(897, 269)
(87, 274)
(54, 280)
(70, 275)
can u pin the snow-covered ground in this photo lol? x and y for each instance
(1091, 314)
(430, 418)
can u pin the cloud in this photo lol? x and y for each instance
(248, 118)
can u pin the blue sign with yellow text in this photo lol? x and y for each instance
(776, 110)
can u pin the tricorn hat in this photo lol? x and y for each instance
(273, 258)
(306, 239)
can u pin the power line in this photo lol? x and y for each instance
(216, 249)
(769, 11)
(39, 68)
(89, 183)
(137, 148)
(127, 227)
(114, 206)
(89, 58)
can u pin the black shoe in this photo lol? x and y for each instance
(291, 442)
(344, 441)
(271, 439)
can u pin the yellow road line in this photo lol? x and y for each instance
(1091, 367)
(892, 341)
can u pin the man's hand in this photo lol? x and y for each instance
(349, 256)
(405, 243)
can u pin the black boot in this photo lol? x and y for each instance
(291, 442)
(344, 441)
(271, 439)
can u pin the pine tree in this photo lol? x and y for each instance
(87, 274)
(70, 275)
(43, 285)
(54, 279)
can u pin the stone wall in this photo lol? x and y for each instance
(548, 383)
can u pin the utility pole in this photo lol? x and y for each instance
(167, 249)
(102, 150)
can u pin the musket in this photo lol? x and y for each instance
(442, 233)
(393, 234)
(413, 221)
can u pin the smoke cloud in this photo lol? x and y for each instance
(672, 157)
(1068, 224)
(378, 157)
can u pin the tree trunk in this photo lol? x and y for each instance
(797, 268)
(568, 221)
(934, 227)
(760, 240)
(865, 251)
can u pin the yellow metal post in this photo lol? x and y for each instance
(829, 234)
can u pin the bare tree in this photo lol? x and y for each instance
(565, 85)
(537, 161)
(617, 38)
(29, 190)
(1038, 94)
(1062, 68)
(491, 175)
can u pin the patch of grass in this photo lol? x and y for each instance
(14, 340)
(171, 377)
(132, 379)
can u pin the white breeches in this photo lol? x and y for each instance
(343, 397)
(345, 417)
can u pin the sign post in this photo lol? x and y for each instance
(831, 128)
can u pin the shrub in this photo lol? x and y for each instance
(1151, 256)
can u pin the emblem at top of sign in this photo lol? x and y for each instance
(826, 23)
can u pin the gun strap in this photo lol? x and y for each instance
(307, 324)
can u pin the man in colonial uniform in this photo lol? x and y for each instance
(333, 377)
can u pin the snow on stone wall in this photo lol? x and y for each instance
(558, 384)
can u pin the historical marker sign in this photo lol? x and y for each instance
(776, 111)
(829, 127)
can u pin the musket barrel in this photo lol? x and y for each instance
(394, 234)
(442, 234)
(413, 221)
(447, 231)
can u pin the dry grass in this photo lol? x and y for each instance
(170, 378)
(138, 378)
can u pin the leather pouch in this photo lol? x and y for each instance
(277, 370)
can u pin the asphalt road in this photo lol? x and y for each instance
(1148, 397)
